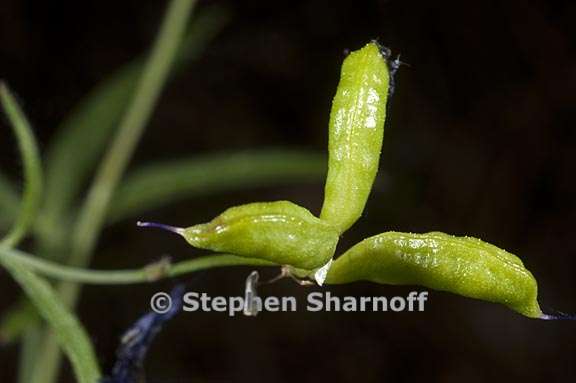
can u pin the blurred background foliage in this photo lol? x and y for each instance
(480, 141)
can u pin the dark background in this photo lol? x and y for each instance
(480, 141)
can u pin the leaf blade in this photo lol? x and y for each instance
(8, 201)
(71, 336)
(155, 185)
(32, 167)
(93, 121)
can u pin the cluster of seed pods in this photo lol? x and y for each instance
(290, 235)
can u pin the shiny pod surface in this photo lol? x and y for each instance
(461, 265)
(356, 131)
(281, 232)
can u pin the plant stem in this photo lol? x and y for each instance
(94, 210)
(9, 200)
(32, 167)
(29, 204)
(28, 345)
(150, 273)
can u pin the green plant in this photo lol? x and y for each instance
(275, 231)
(261, 234)
(120, 106)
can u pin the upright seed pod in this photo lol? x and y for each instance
(356, 131)
(281, 232)
(461, 265)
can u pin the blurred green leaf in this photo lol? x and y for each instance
(17, 318)
(92, 214)
(160, 184)
(71, 336)
(9, 202)
(83, 136)
(32, 167)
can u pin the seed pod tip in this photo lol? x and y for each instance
(173, 229)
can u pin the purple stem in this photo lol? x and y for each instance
(558, 315)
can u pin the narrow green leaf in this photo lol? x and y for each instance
(82, 137)
(8, 201)
(160, 184)
(29, 343)
(17, 318)
(92, 214)
(70, 334)
(32, 167)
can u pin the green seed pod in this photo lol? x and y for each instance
(356, 131)
(280, 232)
(461, 265)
